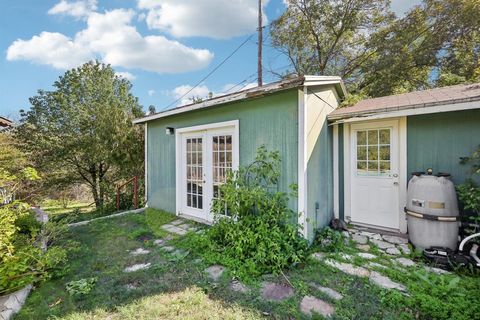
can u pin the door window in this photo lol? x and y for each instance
(373, 152)
(194, 172)
(222, 162)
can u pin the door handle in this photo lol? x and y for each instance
(395, 183)
(395, 175)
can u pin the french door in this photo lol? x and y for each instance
(205, 159)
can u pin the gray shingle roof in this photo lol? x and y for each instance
(411, 100)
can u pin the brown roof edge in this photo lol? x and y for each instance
(367, 113)
(4, 122)
(250, 94)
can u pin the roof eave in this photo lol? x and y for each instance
(250, 94)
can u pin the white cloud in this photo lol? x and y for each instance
(198, 92)
(113, 38)
(54, 49)
(78, 9)
(151, 92)
(217, 19)
(126, 75)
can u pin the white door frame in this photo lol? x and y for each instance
(402, 167)
(206, 130)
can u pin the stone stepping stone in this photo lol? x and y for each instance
(328, 291)
(348, 268)
(364, 247)
(193, 229)
(136, 267)
(346, 256)
(395, 239)
(159, 242)
(393, 251)
(177, 222)
(385, 282)
(276, 291)
(382, 244)
(437, 270)
(405, 262)
(371, 235)
(174, 229)
(215, 272)
(238, 286)
(310, 305)
(185, 226)
(359, 238)
(319, 256)
(139, 251)
(168, 248)
(366, 255)
(376, 265)
(405, 248)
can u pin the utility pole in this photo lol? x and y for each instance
(260, 43)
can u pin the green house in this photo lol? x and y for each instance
(349, 163)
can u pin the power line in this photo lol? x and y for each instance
(210, 73)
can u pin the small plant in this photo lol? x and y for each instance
(330, 240)
(81, 287)
(469, 192)
(255, 230)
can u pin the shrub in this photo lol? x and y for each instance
(22, 261)
(258, 235)
(329, 240)
(81, 287)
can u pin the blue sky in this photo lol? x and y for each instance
(162, 46)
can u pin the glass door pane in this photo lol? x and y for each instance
(373, 152)
(222, 161)
(194, 172)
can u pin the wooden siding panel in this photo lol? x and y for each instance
(270, 120)
(439, 140)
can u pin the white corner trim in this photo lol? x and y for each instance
(336, 192)
(178, 172)
(145, 181)
(403, 162)
(302, 158)
(346, 172)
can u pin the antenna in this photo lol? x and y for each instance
(260, 43)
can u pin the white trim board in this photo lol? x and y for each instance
(146, 165)
(410, 112)
(302, 158)
(336, 190)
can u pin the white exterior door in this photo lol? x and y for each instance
(375, 174)
(205, 158)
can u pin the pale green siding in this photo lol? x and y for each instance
(319, 207)
(270, 120)
(439, 140)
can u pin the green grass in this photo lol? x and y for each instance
(175, 287)
(57, 209)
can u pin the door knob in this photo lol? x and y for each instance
(395, 183)
(395, 175)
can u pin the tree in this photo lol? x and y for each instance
(82, 130)
(436, 43)
(329, 37)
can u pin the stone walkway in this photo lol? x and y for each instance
(392, 245)
(179, 227)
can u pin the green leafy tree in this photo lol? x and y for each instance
(329, 37)
(435, 44)
(82, 131)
